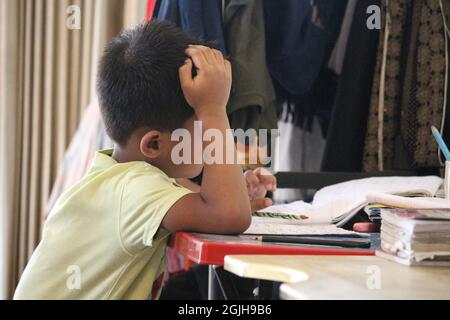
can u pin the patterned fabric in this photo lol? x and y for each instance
(423, 90)
(409, 86)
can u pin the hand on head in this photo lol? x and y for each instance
(208, 92)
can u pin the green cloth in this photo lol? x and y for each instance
(253, 102)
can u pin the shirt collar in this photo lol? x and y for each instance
(103, 159)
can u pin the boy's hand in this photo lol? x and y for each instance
(208, 92)
(259, 182)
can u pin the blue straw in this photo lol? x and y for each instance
(441, 143)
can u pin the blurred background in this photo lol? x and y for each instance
(48, 55)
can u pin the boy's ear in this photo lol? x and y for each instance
(151, 144)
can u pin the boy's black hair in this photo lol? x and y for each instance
(138, 83)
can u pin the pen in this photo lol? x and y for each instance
(350, 243)
(441, 143)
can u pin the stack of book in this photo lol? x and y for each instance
(416, 236)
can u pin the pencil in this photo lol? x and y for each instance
(350, 243)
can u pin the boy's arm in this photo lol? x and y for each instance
(258, 181)
(222, 205)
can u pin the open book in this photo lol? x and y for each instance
(340, 202)
(395, 201)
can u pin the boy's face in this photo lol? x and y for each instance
(189, 170)
(170, 153)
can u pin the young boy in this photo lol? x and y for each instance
(106, 236)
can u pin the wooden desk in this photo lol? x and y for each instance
(211, 250)
(343, 277)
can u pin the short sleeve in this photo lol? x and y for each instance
(147, 197)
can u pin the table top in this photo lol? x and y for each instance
(212, 249)
(343, 277)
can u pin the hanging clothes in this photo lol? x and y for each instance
(299, 150)
(347, 130)
(253, 102)
(337, 56)
(300, 37)
(303, 110)
(409, 92)
(423, 91)
(200, 18)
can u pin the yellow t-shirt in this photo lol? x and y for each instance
(103, 239)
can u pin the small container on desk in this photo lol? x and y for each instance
(447, 180)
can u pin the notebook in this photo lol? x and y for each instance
(338, 203)
(271, 226)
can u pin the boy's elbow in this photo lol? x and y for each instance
(245, 223)
(237, 220)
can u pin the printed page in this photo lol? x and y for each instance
(356, 190)
(339, 202)
(265, 226)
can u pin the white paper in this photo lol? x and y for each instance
(265, 226)
(296, 207)
(340, 202)
(408, 202)
(356, 190)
